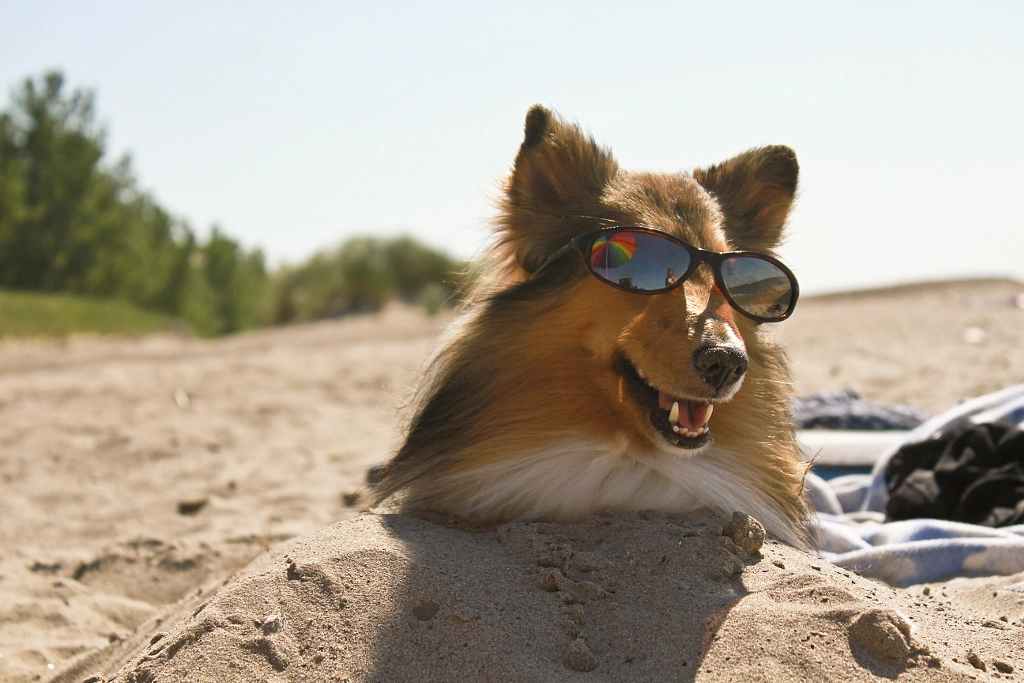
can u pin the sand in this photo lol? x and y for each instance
(929, 345)
(139, 476)
(620, 597)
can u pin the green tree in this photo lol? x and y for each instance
(50, 152)
(69, 223)
(237, 281)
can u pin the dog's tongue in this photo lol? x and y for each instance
(692, 414)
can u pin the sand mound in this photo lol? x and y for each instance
(137, 475)
(636, 596)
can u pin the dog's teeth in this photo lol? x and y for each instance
(689, 433)
(673, 416)
(707, 415)
(641, 373)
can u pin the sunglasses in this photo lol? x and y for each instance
(645, 261)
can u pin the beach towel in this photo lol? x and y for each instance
(851, 531)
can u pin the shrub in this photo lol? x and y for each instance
(361, 275)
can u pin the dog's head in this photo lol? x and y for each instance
(666, 360)
(545, 371)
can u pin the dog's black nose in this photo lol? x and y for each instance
(720, 366)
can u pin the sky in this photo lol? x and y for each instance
(296, 125)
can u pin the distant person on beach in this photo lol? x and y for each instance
(670, 277)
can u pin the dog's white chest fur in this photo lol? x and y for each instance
(577, 479)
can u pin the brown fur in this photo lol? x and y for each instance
(531, 363)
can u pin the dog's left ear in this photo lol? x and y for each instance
(755, 191)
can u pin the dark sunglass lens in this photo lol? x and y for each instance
(758, 286)
(638, 260)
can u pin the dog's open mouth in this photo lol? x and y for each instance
(683, 422)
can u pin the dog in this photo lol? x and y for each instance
(559, 392)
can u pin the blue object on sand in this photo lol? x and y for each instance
(845, 409)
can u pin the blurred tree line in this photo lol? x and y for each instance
(71, 223)
(361, 275)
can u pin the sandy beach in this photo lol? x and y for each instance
(140, 476)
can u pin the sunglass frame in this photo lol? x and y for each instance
(584, 245)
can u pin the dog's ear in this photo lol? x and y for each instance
(755, 191)
(560, 173)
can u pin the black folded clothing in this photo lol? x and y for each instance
(972, 474)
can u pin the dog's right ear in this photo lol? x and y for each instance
(559, 173)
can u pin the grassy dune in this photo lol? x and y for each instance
(34, 314)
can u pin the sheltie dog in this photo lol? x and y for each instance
(554, 395)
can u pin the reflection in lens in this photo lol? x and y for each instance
(638, 260)
(757, 286)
